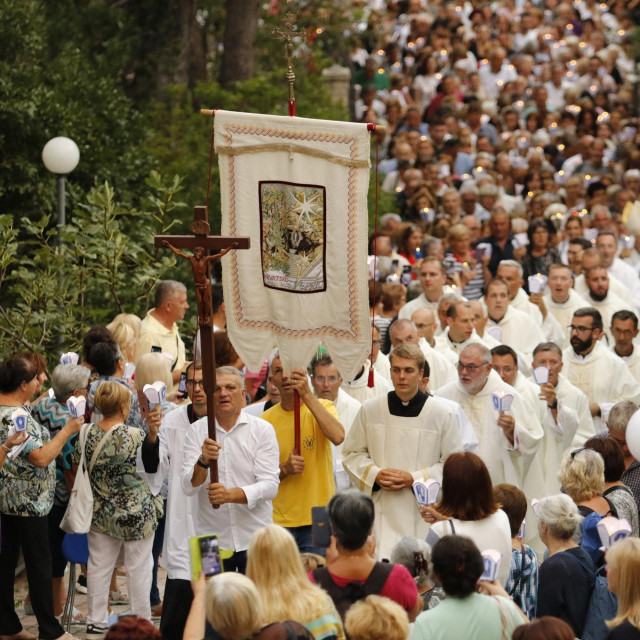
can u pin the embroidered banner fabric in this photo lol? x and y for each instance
(298, 188)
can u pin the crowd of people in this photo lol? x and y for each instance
(505, 367)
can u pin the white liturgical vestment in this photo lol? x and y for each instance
(519, 331)
(359, 388)
(632, 361)
(419, 445)
(421, 302)
(382, 365)
(444, 344)
(602, 376)
(563, 311)
(441, 369)
(501, 457)
(550, 326)
(607, 308)
(347, 408)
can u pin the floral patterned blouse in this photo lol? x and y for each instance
(25, 490)
(123, 506)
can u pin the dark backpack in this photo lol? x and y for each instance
(603, 605)
(344, 597)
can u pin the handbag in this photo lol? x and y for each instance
(79, 514)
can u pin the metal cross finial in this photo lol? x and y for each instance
(288, 33)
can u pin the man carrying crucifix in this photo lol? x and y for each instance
(247, 453)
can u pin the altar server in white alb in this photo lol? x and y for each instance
(593, 368)
(248, 467)
(395, 440)
(162, 456)
(508, 440)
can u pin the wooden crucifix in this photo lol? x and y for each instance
(201, 243)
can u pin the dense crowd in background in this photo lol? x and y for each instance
(504, 379)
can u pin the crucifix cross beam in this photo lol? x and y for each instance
(201, 243)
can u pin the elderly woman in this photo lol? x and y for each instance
(274, 565)
(415, 556)
(623, 568)
(231, 604)
(152, 367)
(377, 618)
(567, 576)
(615, 491)
(108, 363)
(27, 485)
(465, 613)
(468, 508)
(461, 262)
(125, 513)
(350, 558)
(51, 412)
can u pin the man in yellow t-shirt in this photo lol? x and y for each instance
(306, 480)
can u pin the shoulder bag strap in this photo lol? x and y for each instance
(503, 619)
(82, 439)
(376, 580)
(98, 449)
(453, 529)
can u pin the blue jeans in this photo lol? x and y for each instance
(304, 540)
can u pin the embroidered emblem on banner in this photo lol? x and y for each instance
(292, 230)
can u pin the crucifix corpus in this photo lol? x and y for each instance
(201, 243)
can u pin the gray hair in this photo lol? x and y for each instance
(480, 349)
(560, 514)
(620, 415)
(407, 552)
(511, 263)
(167, 290)
(231, 371)
(66, 378)
(450, 298)
(428, 244)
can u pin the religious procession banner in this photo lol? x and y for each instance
(298, 188)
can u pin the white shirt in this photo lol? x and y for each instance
(249, 459)
(421, 302)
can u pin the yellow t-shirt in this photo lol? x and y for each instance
(314, 487)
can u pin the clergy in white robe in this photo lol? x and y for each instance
(359, 389)
(607, 246)
(326, 383)
(504, 437)
(517, 329)
(511, 272)
(163, 459)
(395, 440)
(624, 329)
(441, 370)
(426, 323)
(594, 369)
(433, 282)
(382, 366)
(601, 298)
(561, 299)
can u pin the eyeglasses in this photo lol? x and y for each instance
(572, 327)
(329, 379)
(622, 332)
(193, 383)
(506, 370)
(469, 367)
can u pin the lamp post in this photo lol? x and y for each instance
(60, 156)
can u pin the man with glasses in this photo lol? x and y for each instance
(617, 422)
(508, 439)
(326, 381)
(624, 328)
(594, 369)
(397, 439)
(162, 454)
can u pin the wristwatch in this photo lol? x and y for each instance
(202, 464)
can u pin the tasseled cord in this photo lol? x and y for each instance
(372, 127)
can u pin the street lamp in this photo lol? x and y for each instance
(61, 156)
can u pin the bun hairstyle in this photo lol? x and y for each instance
(110, 398)
(560, 514)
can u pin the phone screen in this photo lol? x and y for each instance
(210, 555)
(182, 385)
(156, 349)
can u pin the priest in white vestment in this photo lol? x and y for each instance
(594, 369)
(426, 324)
(624, 329)
(359, 389)
(441, 370)
(561, 299)
(593, 258)
(396, 440)
(511, 272)
(326, 381)
(601, 298)
(607, 246)
(517, 329)
(433, 281)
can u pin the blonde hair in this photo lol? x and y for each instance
(110, 397)
(233, 606)
(152, 367)
(582, 474)
(377, 618)
(125, 329)
(624, 557)
(286, 593)
(458, 231)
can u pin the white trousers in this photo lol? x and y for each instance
(138, 560)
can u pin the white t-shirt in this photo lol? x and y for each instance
(492, 532)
